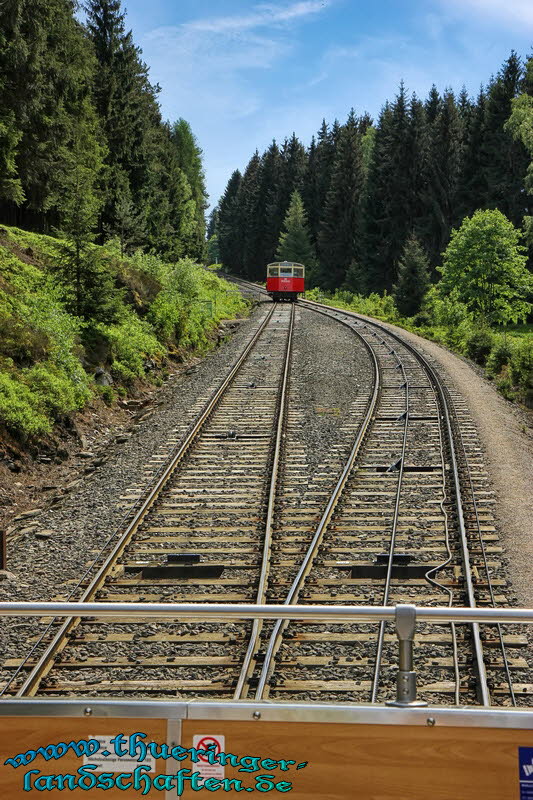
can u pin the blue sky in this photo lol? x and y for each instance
(243, 73)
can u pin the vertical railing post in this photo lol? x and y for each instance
(406, 679)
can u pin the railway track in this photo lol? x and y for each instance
(397, 514)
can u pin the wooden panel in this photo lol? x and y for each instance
(375, 762)
(19, 734)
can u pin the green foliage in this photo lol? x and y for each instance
(479, 344)
(339, 242)
(132, 341)
(19, 408)
(375, 305)
(229, 229)
(521, 368)
(57, 391)
(10, 185)
(212, 249)
(413, 278)
(485, 263)
(107, 393)
(42, 378)
(500, 354)
(295, 242)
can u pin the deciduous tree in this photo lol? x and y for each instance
(485, 263)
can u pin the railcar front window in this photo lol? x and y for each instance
(286, 271)
(273, 272)
(298, 272)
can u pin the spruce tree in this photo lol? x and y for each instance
(318, 178)
(433, 104)
(189, 158)
(472, 188)
(127, 105)
(89, 289)
(46, 71)
(390, 198)
(269, 218)
(212, 223)
(295, 241)
(339, 232)
(229, 230)
(294, 160)
(505, 160)
(445, 162)
(247, 200)
(130, 225)
(310, 190)
(413, 278)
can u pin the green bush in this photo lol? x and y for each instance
(19, 408)
(107, 393)
(58, 393)
(479, 344)
(42, 346)
(521, 369)
(132, 341)
(500, 355)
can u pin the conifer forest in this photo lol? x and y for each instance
(421, 216)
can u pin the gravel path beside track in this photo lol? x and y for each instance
(506, 434)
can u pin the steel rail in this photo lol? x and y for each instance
(484, 555)
(392, 543)
(433, 615)
(253, 644)
(435, 570)
(483, 689)
(307, 561)
(45, 662)
(482, 684)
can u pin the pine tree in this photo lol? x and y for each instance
(339, 233)
(46, 69)
(212, 249)
(294, 160)
(130, 225)
(505, 160)
(127, 105)
(168, 205)
(413, 278)
(189, 157)
(433, 104)
(295, 241)
(89, 289)
(472, 188)
(390, 199)
(317, 179)
(269, 217)
(10, 136)
(445, 161)
(229, 231)
(212, 223)
(247, 200)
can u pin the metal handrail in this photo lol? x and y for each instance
(433, 615)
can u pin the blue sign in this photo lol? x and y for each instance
(525, 766)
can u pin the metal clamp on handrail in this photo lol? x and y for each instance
(406, 678)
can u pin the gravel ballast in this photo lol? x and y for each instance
(51, 552)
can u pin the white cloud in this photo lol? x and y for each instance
(511, 13)
(262, 16)
(213, 71)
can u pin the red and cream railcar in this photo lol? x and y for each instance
(285, 280)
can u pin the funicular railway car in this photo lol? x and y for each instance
(285, 280)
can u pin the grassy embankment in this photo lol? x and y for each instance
(505, 353)
(48, 356)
